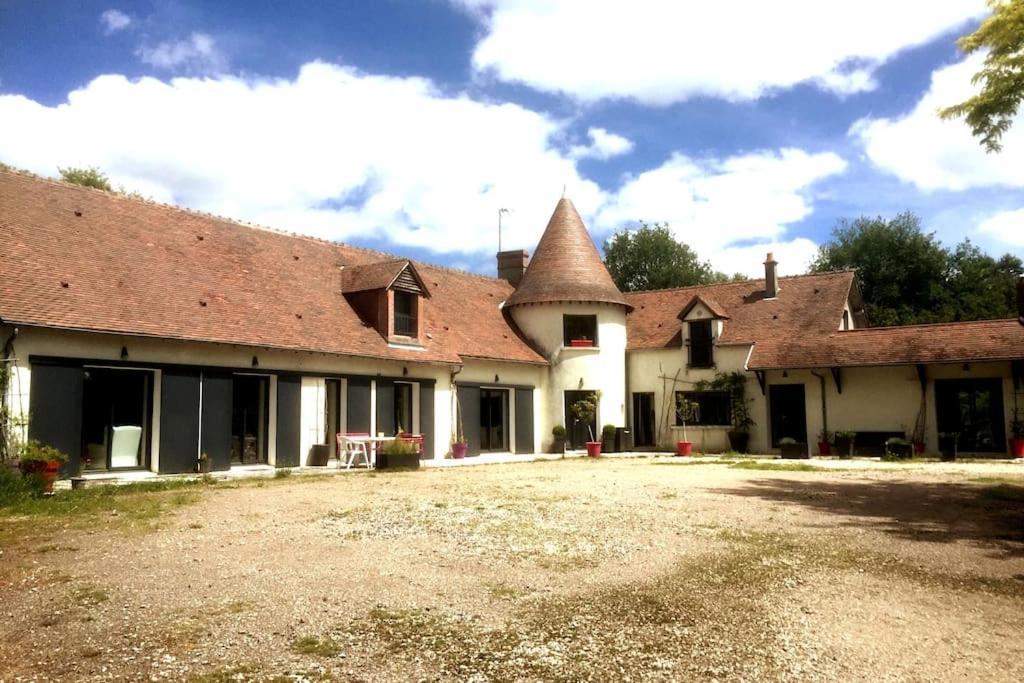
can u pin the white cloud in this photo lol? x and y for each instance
(603, 145)
(196, 54)
(661, 52)
(114, 20)
(1006, 226)
(333, 153)
(729, 210)
(934, 154)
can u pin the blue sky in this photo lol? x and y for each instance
(406, 125)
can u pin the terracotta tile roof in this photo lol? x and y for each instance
(807, 307)
(566, 265)
(987, 340)
(377, 276)
(716, 309)
(83, 259)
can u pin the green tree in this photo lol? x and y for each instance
(649, 257)
(990, 112)
(90, 177)
(902, 270)
(982, 287)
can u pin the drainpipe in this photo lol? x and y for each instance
(453, 405)
(824, 409)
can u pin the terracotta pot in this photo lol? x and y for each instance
(594, 449)
(824, 448)
(459, 450)
(580, 343)
(49, 473)
(1017, 448)
(684, 448)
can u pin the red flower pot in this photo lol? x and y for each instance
(684, 448)
(580, 343)
(1017, 448)
(459, 450)
(824, 448)
(47, 471)
(594, 448)
(918, 447)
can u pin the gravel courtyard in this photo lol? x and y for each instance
(641, 569)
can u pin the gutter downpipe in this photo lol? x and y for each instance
(824, 408)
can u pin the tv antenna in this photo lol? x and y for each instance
(500, 213)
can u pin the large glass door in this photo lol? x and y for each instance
(493, 419)
(972, 409)
(116, 418)
(788, 413)
(249, 419)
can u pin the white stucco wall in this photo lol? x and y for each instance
(597, 369)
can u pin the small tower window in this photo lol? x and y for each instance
(579, 330)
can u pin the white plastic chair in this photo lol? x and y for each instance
(353, 450)
(124, 447)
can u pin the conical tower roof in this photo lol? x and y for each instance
(566, 266)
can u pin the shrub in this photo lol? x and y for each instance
(608, 432)
(399, 447)
(16, 488)
(558, 431)
(34, 452)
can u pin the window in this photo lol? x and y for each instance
(493, 419)
(250, 396)
(711, 408)
(846, 320)
(701, 347)
(403, 408)
(579, 330)
(405, 314)
(116, 418)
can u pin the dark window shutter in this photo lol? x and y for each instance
(427, 419)
(55, 409)
(469, 407)
(179, 421)
(215, 428)
(524, 420)
(289, 412)
(357, 405)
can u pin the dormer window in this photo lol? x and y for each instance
(405, 314)
(579, 331)
(389, 296)
(702, 349)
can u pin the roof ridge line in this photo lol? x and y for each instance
(740, 282)
(391, 256)
(887, 328)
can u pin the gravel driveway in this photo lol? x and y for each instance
(654, 569)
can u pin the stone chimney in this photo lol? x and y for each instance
(771, 277)
(1020, 299)
(512, 264)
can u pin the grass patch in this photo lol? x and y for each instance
(777, 467)
(282, 474)
(230, 675)
(316, 647)
(89, 595)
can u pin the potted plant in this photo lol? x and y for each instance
(459, 443)
(792, 449)
(582, 342)
(845, 443)
(685, 410)
(608, 438)
(558, 439)
(399, 454)
(585, 410)
(949, 444)
(41, 461)
(897, 448)
(824, 442)
(1016, 433)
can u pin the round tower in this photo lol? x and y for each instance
(569, 307)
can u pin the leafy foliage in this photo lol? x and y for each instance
(89, 177)
(735, 384)
(649, 257)
(34, 451)
(990, 113)
(907, 276)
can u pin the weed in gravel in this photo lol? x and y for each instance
(89, 595)
(231, 675)
(777, 467)
(316, 647)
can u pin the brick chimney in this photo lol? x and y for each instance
(512, 264)
(771, 277)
